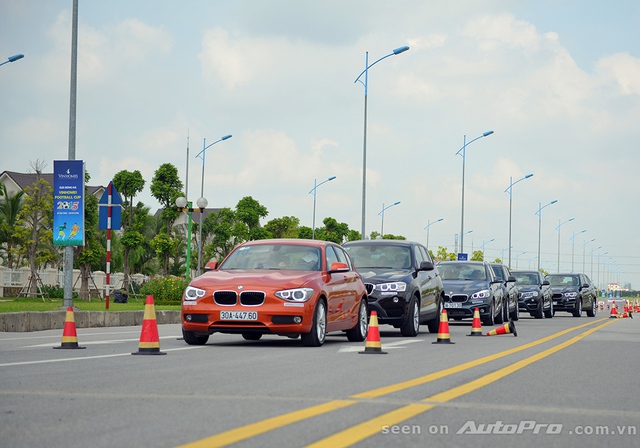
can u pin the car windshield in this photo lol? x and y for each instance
(526, 279)
(563, 280)
(462, 271)
(380, 256)
(274, 257)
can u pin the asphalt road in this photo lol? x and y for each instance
(565, 381)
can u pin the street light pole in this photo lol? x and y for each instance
(510, 190)
(464, 155)
(382, 214)
(429, 223)
(558, 229)
(573, 244)
(13, 58)
(313, 190)
(202, 202)
(583, 252)
(483, 244)
(539, 213)
(365, 83)
(591, 253)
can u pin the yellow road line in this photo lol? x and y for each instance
(357, 433)
(253, 429)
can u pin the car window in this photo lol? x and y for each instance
(274, 257)
(342, 256)
(380, 256)
(331, 256)
(525, 279)
(499, 272)
(462, 271)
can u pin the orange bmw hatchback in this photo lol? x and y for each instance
(287, 287)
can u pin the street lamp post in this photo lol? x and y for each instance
(510, 190)
(573, 244)
(583, 252)
(313, 190)
(429, 224)
(464, 155)
(365, 83)
(202, 202)
(539, 213)
(558, 229)
(598, 281)
(483, 244)
(518, 256)
(591, 254)
(13, 58)
(382, 215)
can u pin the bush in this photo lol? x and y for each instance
(56, 292)
(165, 290)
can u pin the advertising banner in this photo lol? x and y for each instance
(68, 203)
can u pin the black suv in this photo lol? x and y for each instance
(403, 285)
(534, 293)
(509, 291)
(574, 293)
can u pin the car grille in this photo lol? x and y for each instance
(247, 298)
(456, 298)
(225, 297)
(251, 298)
(557, 295)
(369, 287)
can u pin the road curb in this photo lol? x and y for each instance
(52, 320)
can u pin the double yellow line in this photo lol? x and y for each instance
(372, 427)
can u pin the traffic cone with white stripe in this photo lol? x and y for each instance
(372, 345)
(443, 330)
(69, 335)
(614, 310)
(476, 325)
(149, 338)
(508, 328)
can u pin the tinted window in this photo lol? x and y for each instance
(563, 280)
(526, 279)
(380, 256)
(331, 256)
(499, 272)
(462, 271)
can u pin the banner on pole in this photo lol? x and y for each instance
(68, 203)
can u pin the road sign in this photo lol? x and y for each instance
(463, 257)
(116, 209)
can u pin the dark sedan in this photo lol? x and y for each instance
(469, 285)
(403, 286)
(534, 294)
(509, 291)
(574, 293)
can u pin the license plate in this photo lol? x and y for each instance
(238, 315)
(555, 302)
(452, 305)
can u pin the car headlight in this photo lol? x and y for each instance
(485, 293)
(193, 293)
(295, 295)
(570, 294)
(391, 287)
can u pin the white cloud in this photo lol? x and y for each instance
(624, 69)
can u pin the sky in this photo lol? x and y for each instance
(557, 81)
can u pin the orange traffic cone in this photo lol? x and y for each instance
(614, 310)
(372, 345)
(476, 325)
(149, 339)
(505, 329)
(69, 336)
(443, 330)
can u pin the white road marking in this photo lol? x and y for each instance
(390, 345)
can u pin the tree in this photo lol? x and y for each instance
(10, 205)
(249, 211)
(443, 255)
(285, 227)
(129, 184)
(92, 252)
(166, 187)
(163, 245)
(226, 233)
(332, 231)
(477, 255)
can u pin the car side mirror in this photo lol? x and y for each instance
(337, 266)
(511, 279)
(545, 283)
(426, 266)
(211, 266)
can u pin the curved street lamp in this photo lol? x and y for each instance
(573, 245)
(13, 58)
(483, 244)
(510, 190)
(539, 213)
(382, 214)
(365, 83)
(558, 229)
(202, 202)
(583, 251)
(313, 190)
(429, 224)
(464, 155)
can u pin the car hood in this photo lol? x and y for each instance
(564, 289)
(255, 279)
(527, 288)
(464, 286)
(383, 276)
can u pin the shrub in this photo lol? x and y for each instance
(165, 290)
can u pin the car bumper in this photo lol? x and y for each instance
(391, 310)
(457, 310)
(529, 305)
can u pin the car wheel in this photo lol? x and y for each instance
(193, 339)
(577, 312)
(411, 325)
(434, 324)
(489, 320)
(359, 332)
(516, 314)
(252, 336)
(594, 309)
(539, 314)
(318, 333)
(550, 312)
(500, 317)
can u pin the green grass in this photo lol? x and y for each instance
(13, 304)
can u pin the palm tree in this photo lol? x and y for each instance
(10, 206)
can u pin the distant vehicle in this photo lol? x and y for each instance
(534, 294)
(287, 287)
(509, 291)
(469, 285)
(403, 285)
(573, 293)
